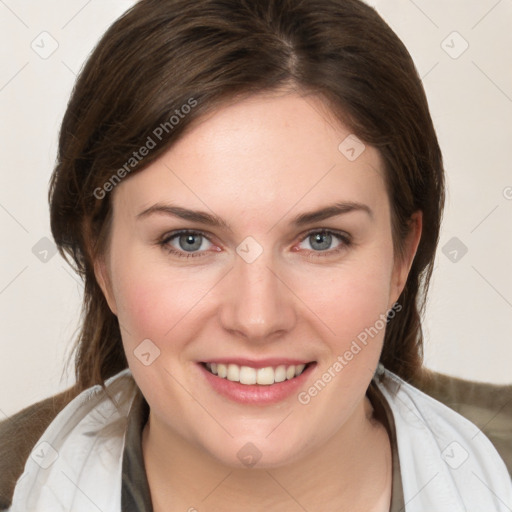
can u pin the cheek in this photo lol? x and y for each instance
(351, 298)
(152, 298)
(352, 305)
(158, 306)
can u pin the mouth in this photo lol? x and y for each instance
(250, 375)
(264, 382)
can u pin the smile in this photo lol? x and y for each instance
(248, 376)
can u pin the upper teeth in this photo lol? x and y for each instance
(248, 375)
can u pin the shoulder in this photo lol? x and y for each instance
(446, 449)
(86, 438)
(488, 406)
(18, 435)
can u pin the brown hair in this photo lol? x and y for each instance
(164, 54)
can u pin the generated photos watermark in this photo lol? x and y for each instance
(150, 144)
(361, 341)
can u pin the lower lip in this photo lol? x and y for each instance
(256, 394)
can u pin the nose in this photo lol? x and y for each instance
(257, 304)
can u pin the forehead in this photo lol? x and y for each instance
(262, 155)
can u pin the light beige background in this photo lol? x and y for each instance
(468, 324)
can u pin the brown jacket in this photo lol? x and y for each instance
(488, 406)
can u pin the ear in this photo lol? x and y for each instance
(103, 278)
(403, 264)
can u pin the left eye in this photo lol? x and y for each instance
(322, 240)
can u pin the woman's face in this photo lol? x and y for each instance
(255, 281)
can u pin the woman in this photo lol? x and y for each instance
(252, 192)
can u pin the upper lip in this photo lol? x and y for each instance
(260, 363)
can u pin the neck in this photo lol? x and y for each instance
(353, 469)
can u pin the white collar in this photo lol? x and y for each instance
(447, 464)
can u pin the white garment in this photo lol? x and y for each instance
(447, 464)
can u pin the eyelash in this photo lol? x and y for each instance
(344, 238)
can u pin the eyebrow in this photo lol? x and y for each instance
(212, 220)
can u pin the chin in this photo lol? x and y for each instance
(256, 453)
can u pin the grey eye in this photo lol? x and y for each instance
(190, 242)
(320, 241)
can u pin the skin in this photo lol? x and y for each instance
(257, 164)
